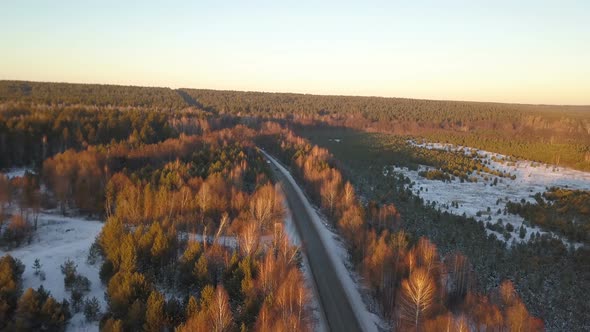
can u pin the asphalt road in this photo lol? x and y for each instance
(338, 311)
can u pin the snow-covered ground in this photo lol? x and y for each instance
(60, 238)
(16, 172)
(339, 257)
(57, 239)
(226, 241)
(223, 240)
(474, 198)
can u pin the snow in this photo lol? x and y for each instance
(17, 172)
(530, 175)
(223, 240)
(226, 241)
(289, 226)
(338, 256)
(474, 198)
(56, 240)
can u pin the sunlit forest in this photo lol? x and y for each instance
(190, 218)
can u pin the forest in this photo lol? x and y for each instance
(562, 210)
(97, 95)
(551, 134)
(191, 236)
(546, 273)
(166, 206)
(545, 133)
(416, 287)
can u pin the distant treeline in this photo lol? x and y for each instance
(90, 94)
(29, 134)
(552, 134)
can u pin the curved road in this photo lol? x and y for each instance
(335, 304)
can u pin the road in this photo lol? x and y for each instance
(335, 304)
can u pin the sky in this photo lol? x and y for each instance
(506, 51)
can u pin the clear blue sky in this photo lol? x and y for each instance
(514, 51)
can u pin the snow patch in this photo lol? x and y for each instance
(474, 198)
(289, 226)
(56, 240)
(227, 241)
(17, 172)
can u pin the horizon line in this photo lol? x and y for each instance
(300, 93)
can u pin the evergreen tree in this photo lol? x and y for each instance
(192, 307)
(68, 269)
(136, 315)
(53, 316)
(11, 271)
(154, 316)
(128, 255)
(125, 289)
(27, 312)
(112, 325)
(37, 266)
(92, 309)
(522, 232)
(201, 271)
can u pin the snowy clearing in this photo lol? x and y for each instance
(338, 256)
(17, 172)
(228, 241)
(57, 239)
(474, 198)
